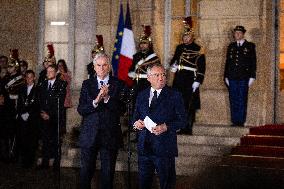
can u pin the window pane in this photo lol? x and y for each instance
(56, 33)
(57, 11)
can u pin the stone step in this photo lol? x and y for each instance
(206, 150)
(184, 150)
(186, 159)
(219, 130)
(184, 166)
(208, 140)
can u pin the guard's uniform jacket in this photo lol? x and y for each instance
(13, 85)
(188, 64)
(90, 69)
(138, 69)
(241, 61)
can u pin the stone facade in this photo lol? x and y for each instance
(214, 21)
(19, 29)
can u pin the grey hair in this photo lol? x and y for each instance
(158, 65)
(101, 55)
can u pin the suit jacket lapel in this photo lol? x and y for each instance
(31, 95)
(111, 86)
(93, 88)
(162, 96)
(146, 100)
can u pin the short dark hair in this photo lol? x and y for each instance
(53, 66)
(62, 61)
(29, 72)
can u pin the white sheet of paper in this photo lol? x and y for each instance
(149, 123)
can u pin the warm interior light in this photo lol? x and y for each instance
(57, 23)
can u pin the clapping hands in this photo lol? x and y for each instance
(103, 94)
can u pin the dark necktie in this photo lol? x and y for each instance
(102, 83)
(49, 86)
(154, 101)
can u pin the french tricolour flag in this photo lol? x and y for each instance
(127, 50)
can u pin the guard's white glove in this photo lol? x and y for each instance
(195, 85)
(174, 68)
(25, 116)
(251, 80)
(227, 81)
(132, 75)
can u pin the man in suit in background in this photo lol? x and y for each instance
(157, 147)
(101, 107)
(240, 73)
(52, 95)
(28, 117)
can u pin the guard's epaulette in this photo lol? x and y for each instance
(202, 50)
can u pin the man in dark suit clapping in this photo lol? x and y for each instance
(101, 107)
(157, 141)
(52, 95)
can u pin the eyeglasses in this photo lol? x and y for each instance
(158, 74)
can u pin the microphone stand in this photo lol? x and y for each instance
(128, 98)
(58, 141)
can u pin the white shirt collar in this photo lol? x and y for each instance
(241, 42)
(105, 80)
(51, 81)
(29, 88)
(158, 91)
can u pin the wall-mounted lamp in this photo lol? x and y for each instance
(58, 23)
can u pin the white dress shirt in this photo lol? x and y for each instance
(51, 82)
(240, 42)
(29, 88)
(152, 94)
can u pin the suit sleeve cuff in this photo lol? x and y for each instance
(106, 100)
(94, 104)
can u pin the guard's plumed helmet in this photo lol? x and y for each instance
(188, 26)
(146, 36)
(99, 46)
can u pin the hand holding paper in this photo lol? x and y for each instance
(159, 129)
(149, 124)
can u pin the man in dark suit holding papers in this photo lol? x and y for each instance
(160, 109)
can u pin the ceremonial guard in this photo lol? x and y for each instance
(99, 47)
(49, 59)
(141, 60)
(15, 79)
(240, 73)
(13, 85)
(188, 67)
(28, 117)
